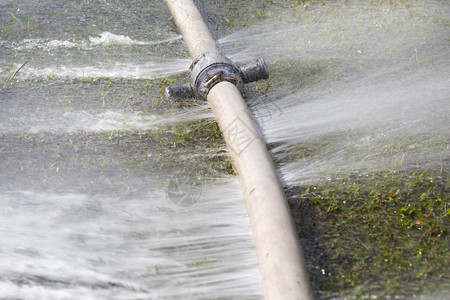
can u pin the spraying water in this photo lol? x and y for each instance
(370, 82)
(82, 215)
(376, 78)
(366, 90)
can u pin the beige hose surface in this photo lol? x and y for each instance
(279, 253)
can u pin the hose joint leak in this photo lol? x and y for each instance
(210, 68)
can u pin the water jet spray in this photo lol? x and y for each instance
(216, 79)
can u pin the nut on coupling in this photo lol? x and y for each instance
(210, 68)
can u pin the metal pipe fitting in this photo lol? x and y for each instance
(210, 68)
(255, 71)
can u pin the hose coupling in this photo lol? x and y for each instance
(210, 68)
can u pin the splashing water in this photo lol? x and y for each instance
(93, 246)
(364, 90)
(379, 92)
(84, 217)
(81, 215)
(159, 67)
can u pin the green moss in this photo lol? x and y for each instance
(116, 160)
(194, 148)
(381, 234)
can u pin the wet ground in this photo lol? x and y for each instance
(108, 189)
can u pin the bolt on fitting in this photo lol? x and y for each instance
(210, 68)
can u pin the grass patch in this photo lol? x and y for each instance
(194, 148)
(382, 234)
(119, 162)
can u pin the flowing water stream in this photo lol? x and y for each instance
(86, 210)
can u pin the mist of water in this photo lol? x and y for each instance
(375, 93)
(79, 218)
(58, 121)
(382, 95)
(93, 246)
(58, 113)
(120, 67)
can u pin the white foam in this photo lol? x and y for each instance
(54, 44)
(104, 39)
(147, 70)
(107, 39)
(49, 45)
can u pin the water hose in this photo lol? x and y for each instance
(281, 262)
